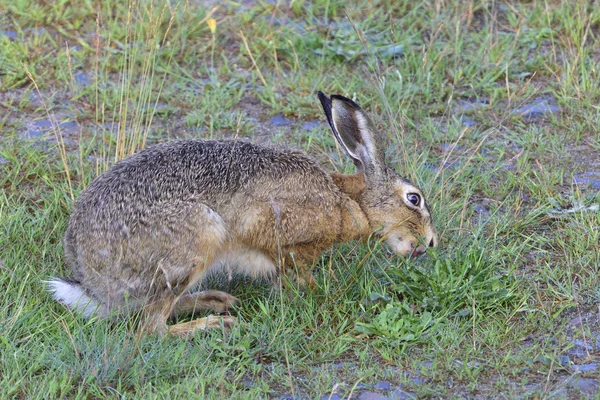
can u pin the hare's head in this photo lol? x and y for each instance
(391, 203)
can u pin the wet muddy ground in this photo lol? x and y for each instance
(32, 118)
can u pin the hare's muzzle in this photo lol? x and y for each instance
(421, 249)
(418, 251)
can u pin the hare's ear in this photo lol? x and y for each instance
(356, 133)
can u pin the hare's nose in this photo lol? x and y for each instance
(419, 251)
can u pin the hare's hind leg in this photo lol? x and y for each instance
(212, 300)
(186, 238)
(206, 300)
(200, 324)
(157, 313)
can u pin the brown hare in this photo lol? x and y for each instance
(145, 232)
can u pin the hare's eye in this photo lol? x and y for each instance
(414, 199)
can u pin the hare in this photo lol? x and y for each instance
(144, 233)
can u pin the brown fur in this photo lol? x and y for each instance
(143, 235)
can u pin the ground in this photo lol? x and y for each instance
(490, 106)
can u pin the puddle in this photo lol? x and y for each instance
(36, 100)
(9, 34)
(14, 34)
(467, 122)
(372, 396)
(582, 344)
(382, 385)
(588, 179)
(38, 129)
(280, 120)
(585, 367)
(577, 352)
(311, 125)
(82, 78)
(586, 385)
(563, 361)
(32, 135)
(538, 108)
(401, 394)
(469, 105)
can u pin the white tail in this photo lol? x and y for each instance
(71, 294)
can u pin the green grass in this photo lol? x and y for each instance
(517, 277)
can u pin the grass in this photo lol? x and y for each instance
(513, 287)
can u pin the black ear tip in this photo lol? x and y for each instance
(340, 97)
(325, 101)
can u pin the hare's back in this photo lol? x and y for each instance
(207, 171)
